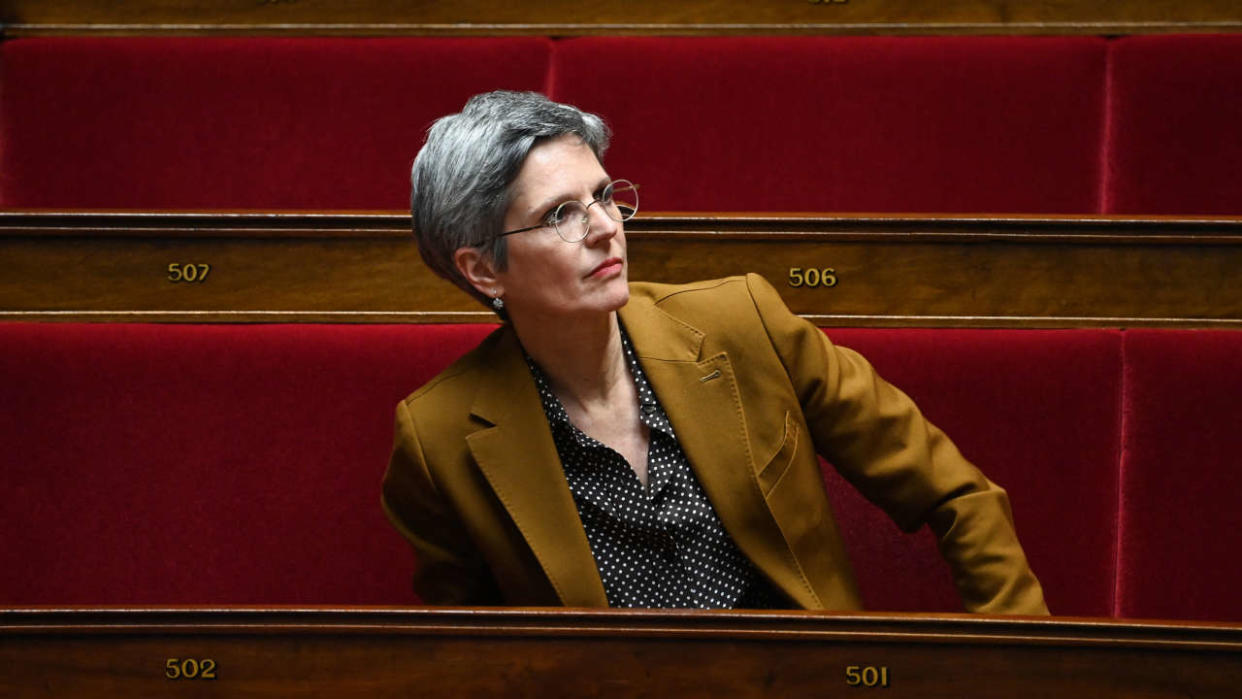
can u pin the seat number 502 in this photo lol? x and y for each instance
(190, 669)
(812, 277)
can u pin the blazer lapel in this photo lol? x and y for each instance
(518, 457)
(701, 399)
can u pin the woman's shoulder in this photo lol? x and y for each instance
(727, 299)
(660, 293)
(457, 383)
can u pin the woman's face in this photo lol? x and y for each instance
(547, 276)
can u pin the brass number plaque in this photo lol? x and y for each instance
(869, 676)
(188, 272)
(190, 669)
(812, 277)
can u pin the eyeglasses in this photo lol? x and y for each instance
(572, 219)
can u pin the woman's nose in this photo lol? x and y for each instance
(602, 226)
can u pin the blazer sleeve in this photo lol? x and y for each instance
(880, 442)
(448, 568)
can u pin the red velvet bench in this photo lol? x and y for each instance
(880, 124)
(913, 124)
(222, 464)
(876, 124)
(1174, 135)
(232, 464)
(1180, 530)
(235, 123)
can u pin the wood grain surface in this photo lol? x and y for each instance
(553, 652)
(582, 17)
(888, 270)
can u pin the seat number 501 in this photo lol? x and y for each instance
(875, 676)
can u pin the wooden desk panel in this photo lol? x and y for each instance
(513, 652)
(885, 270)
(565, 17)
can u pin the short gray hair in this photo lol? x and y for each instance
(460, 181)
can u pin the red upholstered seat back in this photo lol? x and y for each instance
(213, 464)
(938, 124)
(235, 123)
(945, 124)
(1037, 411)
(935, 124)
(1181, 476)
(241, 464)
(1176, 143)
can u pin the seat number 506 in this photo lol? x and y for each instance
(812, 277)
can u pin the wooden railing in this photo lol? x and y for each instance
(545, 652)
(565, 17)
(980, 271)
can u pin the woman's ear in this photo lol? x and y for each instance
(479, 270)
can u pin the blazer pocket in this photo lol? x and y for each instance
(776, 467)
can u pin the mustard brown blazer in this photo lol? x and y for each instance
(754, 393)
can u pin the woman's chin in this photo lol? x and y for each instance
(617, 293)
(608, 298)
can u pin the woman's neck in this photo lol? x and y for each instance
(581, 357)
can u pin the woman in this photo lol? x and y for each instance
(643, 444)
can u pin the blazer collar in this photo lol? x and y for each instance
(700, 396)
(658, 335)
(516, 454)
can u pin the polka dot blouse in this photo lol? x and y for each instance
(661, 546)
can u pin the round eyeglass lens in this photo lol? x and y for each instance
(619, 201)
(572, 221)
(624, 200)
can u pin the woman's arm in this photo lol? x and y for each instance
(448, 568)
(880, 442)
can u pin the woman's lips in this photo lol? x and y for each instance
(606, 268)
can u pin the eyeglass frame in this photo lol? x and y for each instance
(586, 211)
